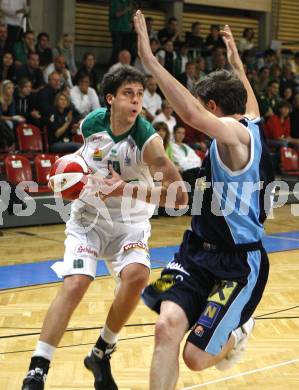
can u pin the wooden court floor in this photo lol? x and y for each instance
(271, 361)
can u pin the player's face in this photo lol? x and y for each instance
(128, 101)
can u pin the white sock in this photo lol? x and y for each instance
(44, 350)
(238, 335)
(109, 336)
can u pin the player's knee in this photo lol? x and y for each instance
(75, 286)
(165, 329)
(136, 276)
(195, 359)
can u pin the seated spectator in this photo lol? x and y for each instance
(268, 59)
(185, 158)
(65, 48)
(155, 45)
(167, 56)
(149, 26)
(275, 72)
(152, 101)
(8, 68)
(294, 63)
(61, 127)
(246, 42)
(45, 97)
(22, 48)
(288, 95)
(188, 78)
(32, 71)
(83, 97)
(163, 131)
(7, 104)
(262, 81)
(59, 66)
(43, 49)
(194, 40)
(194, 138)
(170, 33)
(278, 127)
(23, 98)
(124, 59)
(249, 59)
(200, 68)
(88, 67)
(166, 116)
(219, 60)
(4, 46)
(287, 78)
(214, 40)
(294, 117)
(183, 57)
(269, 100)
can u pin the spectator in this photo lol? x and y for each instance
(288, 95)
(7, 104)
(163, 131)
(155, 45)
(167, 56)
(124, 59)
(22, 48)
(23, 98)
(214, 40)
(32, 71)
(4, 47)
(268, 59)
(59, 66)
(185, 158)
(294, 117)
(200, 65)
(263, 78)
(149, 26)
(294, 62)
(120, 26)
(43, 49)
(170, 33)
(65, 48)
(152, 101)
(8, 68)
(194, 40)
(45, 97)
(166, 116)
(219, 60)
(278, 127)
(269, 100)
(275, 72)
(61, 126)
(287, 78)
(188, 78)
(83, 97)
(183, 56)
(88, 67)
(13, 12)
(246, 42)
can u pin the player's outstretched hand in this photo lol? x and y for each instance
(144, 49)
(231, 47)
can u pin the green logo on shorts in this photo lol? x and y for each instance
(78, 263)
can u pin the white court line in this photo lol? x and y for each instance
(283, 238)
(242, 374)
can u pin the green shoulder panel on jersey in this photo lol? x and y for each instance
(95, 122)
(142, 131)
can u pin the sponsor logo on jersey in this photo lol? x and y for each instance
(97, 155)
(96, 138)
(164, 283)
(222, 292)
(177, 266)
(86, 250)
(135, 245)
(198, 330)
(209, 315)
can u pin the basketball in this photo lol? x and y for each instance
(68, 176)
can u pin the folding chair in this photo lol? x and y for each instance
(289, 161)
(29, 138)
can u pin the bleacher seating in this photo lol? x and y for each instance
(17, 169)
(289, 161)
(29, 138)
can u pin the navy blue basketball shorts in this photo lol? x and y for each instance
(218, 290)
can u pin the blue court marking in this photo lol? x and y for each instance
(23, 275)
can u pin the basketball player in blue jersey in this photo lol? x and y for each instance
(115, 230)
(218, 276)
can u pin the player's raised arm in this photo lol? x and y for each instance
(184, 103)
(252, 108)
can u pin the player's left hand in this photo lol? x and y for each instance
(144, 49)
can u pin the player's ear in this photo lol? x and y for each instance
(109, 98)
(212, 106)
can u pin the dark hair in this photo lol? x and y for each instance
(87, 54)
(284, 103)
(41, 35)
(163, 125)
(112, 81)
(226, 89)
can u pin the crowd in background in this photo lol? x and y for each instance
(43, 85)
